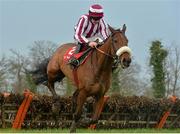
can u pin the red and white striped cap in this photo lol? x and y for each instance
(96, 11)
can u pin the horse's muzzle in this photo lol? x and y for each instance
(125, 62)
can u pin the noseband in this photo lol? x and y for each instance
(117, 52)
(114, 49)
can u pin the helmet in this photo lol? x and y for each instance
(96, 11)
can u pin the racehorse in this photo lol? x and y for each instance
(94, 76)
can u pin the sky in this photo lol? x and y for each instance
(24, 21)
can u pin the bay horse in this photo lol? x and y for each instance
(94, 76)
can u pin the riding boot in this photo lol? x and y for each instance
(73, 61)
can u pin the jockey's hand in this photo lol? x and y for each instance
(92, 44)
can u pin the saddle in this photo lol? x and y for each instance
(79, 57)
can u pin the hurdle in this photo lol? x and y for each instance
(166, 114)
(22, 111)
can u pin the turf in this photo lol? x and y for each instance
(91, 131)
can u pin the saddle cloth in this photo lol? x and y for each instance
(81, 56)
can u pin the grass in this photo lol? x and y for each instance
(138, 130)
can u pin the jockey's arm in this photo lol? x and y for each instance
(104, 30)
(79, 37)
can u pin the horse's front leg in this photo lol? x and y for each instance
(74, 100)
(98, 108)
(81, 98)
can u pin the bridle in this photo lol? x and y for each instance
(114, 57)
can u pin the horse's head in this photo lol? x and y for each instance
(120, 47)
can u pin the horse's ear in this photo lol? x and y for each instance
(124, 28)
(111, 29)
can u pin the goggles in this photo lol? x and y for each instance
(96, 18)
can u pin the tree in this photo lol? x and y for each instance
(29, 83)
(3, 69)
(126, 81)
(41, 50)
(157, 60)
(173, 70)
(69, 87)
(16, 65)
(115, 80)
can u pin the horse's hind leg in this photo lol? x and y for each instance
(51, 87)
(52, 78)
(81, 98)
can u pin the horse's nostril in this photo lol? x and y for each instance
(129, 61)
(126, 62)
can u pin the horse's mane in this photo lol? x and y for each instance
(111, 34)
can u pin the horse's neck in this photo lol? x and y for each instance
(104, 62)
(106, 47)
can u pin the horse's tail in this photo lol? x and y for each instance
(39, 75)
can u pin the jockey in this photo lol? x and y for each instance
(89, 28)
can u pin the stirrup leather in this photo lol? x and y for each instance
(74, 62)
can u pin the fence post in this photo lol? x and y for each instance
(23, 110)
(166, 114)
(5, 95)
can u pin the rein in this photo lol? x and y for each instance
(115, 57)
(101, 51)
